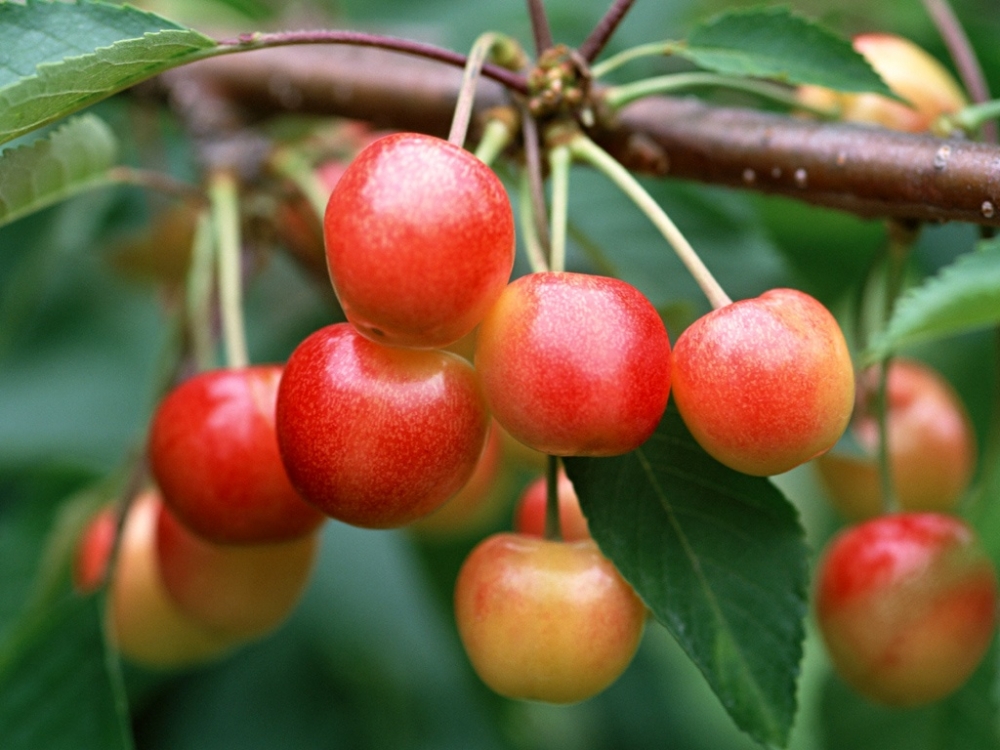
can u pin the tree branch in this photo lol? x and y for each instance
(866, 171)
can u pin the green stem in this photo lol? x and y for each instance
(971, 118)
(553, 526)
(292, 164)
(526, 210)
(467, 92)
(560, 160)
(617, 97)
(497, 135)
(586, 150)
(653, 49)
(224, 197)
(199, 287)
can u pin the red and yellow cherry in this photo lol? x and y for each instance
(419, 240)
(907, 606)
(378, 436)
(910, 72)
(931, 448)
(214, 455)
(478, 503)
(93, 550)
(575, 365)
(764, 384)
(241, 591)
(546, 620)
(529, 516)
(145, 622)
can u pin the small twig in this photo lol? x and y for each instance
(961, 51)
(540, 26)
(244, 42)
(602, 32)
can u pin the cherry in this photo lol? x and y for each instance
(529, 517)
(910, 72)
(419, 240)
(931, 448)
(378, 436)
(764, 384)
(907, 606)
(546, 620)
(237, 591)
(214, 455)
(573, 364)
(93, 550)
(146, 624)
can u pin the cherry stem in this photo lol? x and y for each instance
(244, 42)
(618, 96)
(198, 298)
(497, 135)
(540, 28)
(224, 198)
(962, 53)
(586, 150)
(553, 525)
(560, 160)
(533, 165)
(467, 92)
(292, 164)
(974, 116)
(163, 183)
(602, 32)
(532, 244)
(652, 49)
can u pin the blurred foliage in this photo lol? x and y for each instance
(371, 658)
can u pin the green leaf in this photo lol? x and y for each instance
(718, 557)
(58, 58)
(963, 296)
(775, 43)
(967, 719)
(73, 158)
(58, 688)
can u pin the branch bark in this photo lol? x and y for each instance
(867, 171)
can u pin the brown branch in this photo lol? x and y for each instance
(866, 171)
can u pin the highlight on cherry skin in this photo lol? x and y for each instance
(530, 513)
(764, 384)
(214, 455)
(910, 72)
(240, 592)
(906, 604)
(932, 449)
(546, 620)
(574, 364)
(144, 622)
(378, 436)
(419, 240)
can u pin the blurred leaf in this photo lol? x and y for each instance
(73, 158)
(963, 296)
(966, 720)
(59, 689)
(58, 58)
(775, 43)
(720, 559)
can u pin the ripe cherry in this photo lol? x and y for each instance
(907, 606)
(765, 384)
(240, 591)
(214, 455)
(546, 620)
(419, 240)
(378, 436)
(931, 448)
(575, 365)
